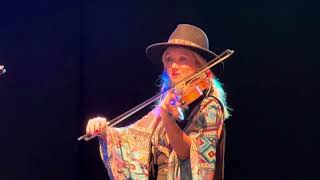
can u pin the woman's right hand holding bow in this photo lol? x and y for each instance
(97, 126)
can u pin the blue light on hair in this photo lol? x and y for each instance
(165, 84)
(165, 81)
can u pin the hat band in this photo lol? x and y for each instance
(183, 42)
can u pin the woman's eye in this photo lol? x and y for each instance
(169, 60)
(183, 59)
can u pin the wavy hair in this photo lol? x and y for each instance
(217, 86)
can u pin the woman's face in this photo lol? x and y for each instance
(179, 63)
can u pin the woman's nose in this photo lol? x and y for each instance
(174, 65)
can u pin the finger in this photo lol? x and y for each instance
(103, 126)
(172, 102)
(88, 126)
(169, 94)
(92, 127)
(177, 91)
(173, 109)
(96, 127)
(108, 123)
(170, 98)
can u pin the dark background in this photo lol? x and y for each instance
(68, 61)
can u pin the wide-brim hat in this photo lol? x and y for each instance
(185, 35)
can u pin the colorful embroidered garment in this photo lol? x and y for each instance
(129, 152)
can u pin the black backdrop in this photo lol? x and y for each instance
(68, 61)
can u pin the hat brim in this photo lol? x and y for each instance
(155, 51)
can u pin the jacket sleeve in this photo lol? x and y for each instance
(204, 132)
(126, 151)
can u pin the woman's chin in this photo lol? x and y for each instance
(176, 80)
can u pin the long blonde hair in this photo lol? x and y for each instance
(217, 86)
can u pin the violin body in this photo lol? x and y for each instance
(193, 90)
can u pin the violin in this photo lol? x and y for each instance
(195, 90)
(195, 84)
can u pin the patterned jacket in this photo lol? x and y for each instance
(128, 152)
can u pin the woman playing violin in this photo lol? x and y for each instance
(181, 138)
